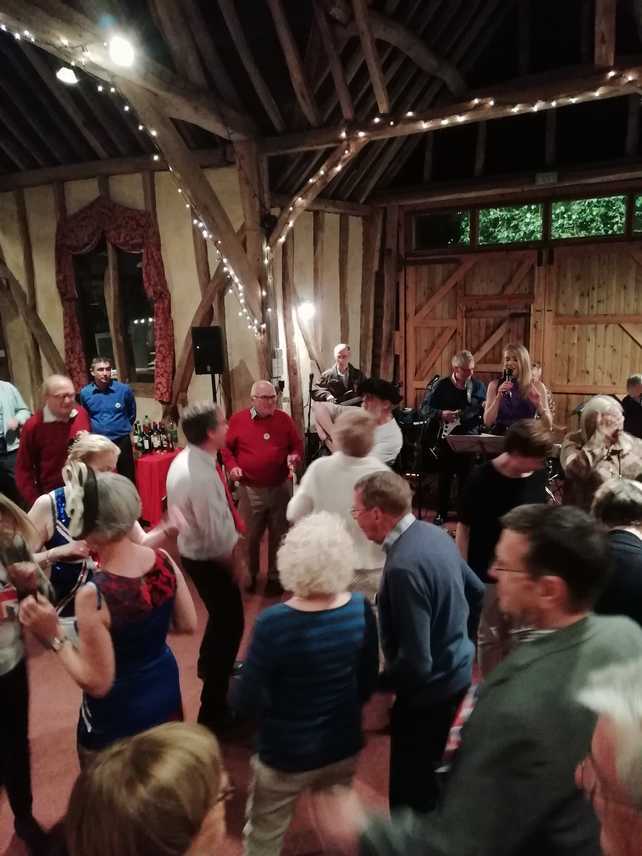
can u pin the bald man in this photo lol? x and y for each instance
(263, 445)
(46, 438)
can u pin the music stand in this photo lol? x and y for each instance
(486, 445)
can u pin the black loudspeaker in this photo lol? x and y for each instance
(207, 347)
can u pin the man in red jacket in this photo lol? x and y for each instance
(263, 444)
(46, 437)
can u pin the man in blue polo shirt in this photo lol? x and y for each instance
(112, 408)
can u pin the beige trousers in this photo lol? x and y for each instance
(264, 508)
(273, 797)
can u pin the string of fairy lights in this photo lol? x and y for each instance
(122, 53)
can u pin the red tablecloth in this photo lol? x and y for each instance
(151, 475)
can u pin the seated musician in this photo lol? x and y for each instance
(337, 387)
(632, 406)
(516, 395)
(456, 405)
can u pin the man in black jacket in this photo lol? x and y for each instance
(632, 406)
(337, 387)
(458, 398)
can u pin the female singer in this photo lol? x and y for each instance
(516, 395)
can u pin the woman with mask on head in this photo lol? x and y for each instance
(516, 395)
(135, 595)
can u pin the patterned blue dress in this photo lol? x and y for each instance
(146, 690)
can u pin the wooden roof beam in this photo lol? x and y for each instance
(373, 60)
(334, 62)
(298, 203)
(604, 45)
(300, 84)
(233, 23)
(179, 98)
(478, 107)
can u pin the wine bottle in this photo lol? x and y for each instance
(156, 438)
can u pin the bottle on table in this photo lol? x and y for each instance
(146, 436)
(156, 438)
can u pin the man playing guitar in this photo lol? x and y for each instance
(455, 404)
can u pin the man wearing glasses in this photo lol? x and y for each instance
(512, 788)
(46, 437)
(263, 449)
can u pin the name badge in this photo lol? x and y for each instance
(118, 405)
(266, 436)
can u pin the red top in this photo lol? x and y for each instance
(260, 447)
(43, 452)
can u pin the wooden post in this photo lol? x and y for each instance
(344, 249)
(370, 264)
(604, 44)
(389, 293)
(33, 352)
(318, 247)
(294, 374)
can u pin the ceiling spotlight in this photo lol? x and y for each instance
(66, 75)
(121, 52)
(99, 88)
(126, 108)
(307, 310)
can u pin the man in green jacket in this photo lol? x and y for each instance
(511, 790)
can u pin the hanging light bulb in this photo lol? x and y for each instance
(66, 75)
(121, 51)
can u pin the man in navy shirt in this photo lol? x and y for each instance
(112, 408)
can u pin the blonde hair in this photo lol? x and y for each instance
(87, 445)
(14, 521)
(594, 406)
(523, 358)
(317, 556)
(354, 432)
(148, 794)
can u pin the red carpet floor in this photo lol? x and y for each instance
(54, 711)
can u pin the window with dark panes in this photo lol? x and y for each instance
(90, 270)
(442, 229)
(137, 318)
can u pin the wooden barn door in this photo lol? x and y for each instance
(480, 302)
(593, 340)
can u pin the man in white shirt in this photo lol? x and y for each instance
(380, 397)
(206, 543)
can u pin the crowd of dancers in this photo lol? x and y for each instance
(511, 653)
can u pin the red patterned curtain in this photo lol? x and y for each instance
(134, 232)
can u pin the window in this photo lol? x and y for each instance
(131, 345)
(637, 214)
(584, 218)
(443, 229)
(510, 224)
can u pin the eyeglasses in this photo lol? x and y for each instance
(62, 395)
(266, 397)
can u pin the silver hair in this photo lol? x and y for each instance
(86, 445)
(597, 404)
(462, 358)
(48, 382)
(340, 347)
(634, 380)
(618, 502)
(616, 693)
(317, 556)
(257, 384)
(118, 507)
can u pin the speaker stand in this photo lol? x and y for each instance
(213, 377)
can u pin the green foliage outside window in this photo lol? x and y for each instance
(510, 224)
(637, 214)
(583, 218)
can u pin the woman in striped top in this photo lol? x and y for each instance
(312, 664)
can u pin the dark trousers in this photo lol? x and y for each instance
(15, 769)
(451, 464)
(125, 465)
(418, 738)
(221, 595)
(8, 477)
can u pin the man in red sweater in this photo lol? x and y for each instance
(263, 444)
(46, 437)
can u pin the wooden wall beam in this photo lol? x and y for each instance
(289, 308)
(33, 350)
(372, 232)
(428, 360)
(251, 191)
(495, 337)
(334, 61)
(572, 320)
(518, 277)
(302, 89)
(233, 23)
(444, 289)
(390, 282)
(181, 99)
(604, 45)
(344, 301)
(373, 61)
(318, 253)
(328, 206)
(634, 331)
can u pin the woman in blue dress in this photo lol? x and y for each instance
(128, 674)
(516, 395)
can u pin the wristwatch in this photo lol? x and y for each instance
(56, 643)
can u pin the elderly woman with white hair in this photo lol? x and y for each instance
(312, 664)
(64, 558)
(328, 485)
(618, 506)
(599, 451)
(128, 675)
